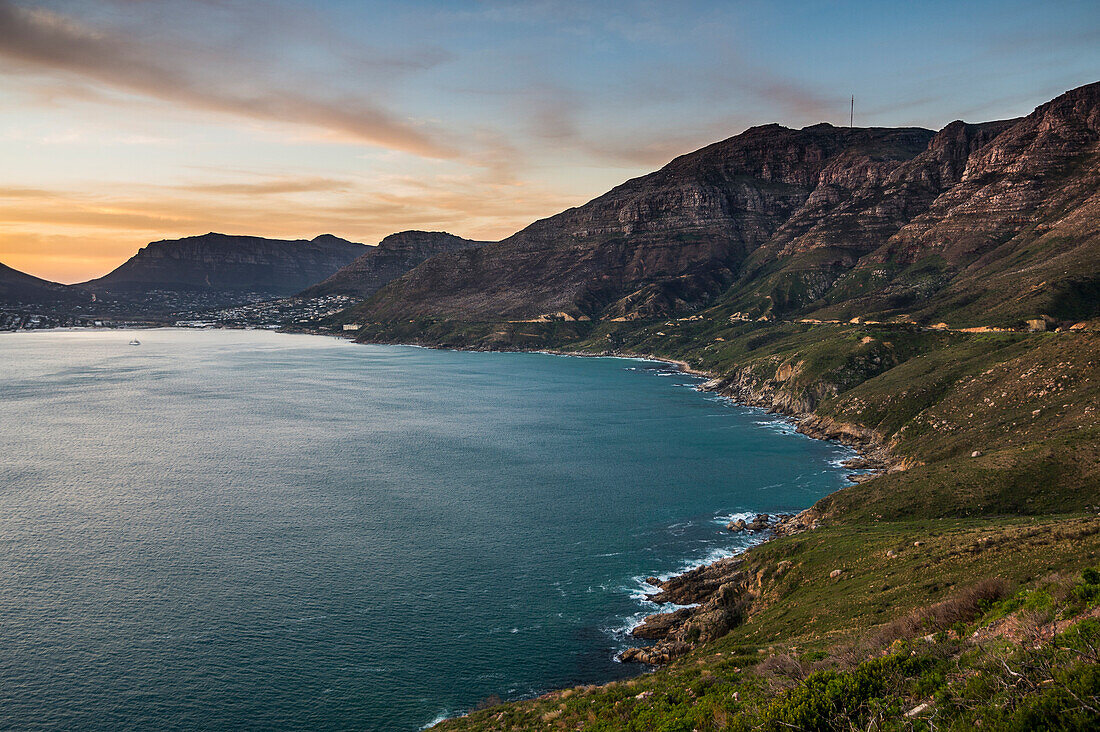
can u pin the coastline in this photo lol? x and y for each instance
(707, 600)
(718, 594)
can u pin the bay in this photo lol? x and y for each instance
(243, 529)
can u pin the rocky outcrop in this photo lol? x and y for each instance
(658, 626)
(724, 595)
(699, 583)
(219, 262)
(394, 256)
(761, 522)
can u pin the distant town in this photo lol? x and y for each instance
(182, 310)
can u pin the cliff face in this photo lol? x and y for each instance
(1020, 232)
(823, 222)
(230, 263)
(394, 256)
(858, 204)
(663, 241)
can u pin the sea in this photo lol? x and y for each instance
(230, 529)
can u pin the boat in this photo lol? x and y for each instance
(135, 342)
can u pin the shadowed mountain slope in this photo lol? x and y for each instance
(21, 288)
(669, 239)
(220, 262)
(394, 256)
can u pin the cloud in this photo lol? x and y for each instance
(276, 186)
(14, 192)
(791, 97)
(46, 41)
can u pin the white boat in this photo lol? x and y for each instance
(135, 342)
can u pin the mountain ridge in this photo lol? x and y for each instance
(227, 262)
(20, 287)
(392, 257)
(777, 222)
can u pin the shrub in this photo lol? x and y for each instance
(963, 607)
(835, 700)
(1088, 588)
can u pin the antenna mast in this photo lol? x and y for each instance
(852, 114)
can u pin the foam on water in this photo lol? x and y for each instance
(437, 719)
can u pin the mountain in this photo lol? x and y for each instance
(220, 262)
(20, 288)
(678, 235)
(394, 256)
(983, 223)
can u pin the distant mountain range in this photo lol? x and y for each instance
(977, 223)
(989, 222)
(394, 256)
(220, 262)
(20, 287)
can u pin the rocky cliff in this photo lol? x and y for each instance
(219, 262)
(662, 242)
(394, 256)
(994, 221)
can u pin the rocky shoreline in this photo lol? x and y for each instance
(719, 596)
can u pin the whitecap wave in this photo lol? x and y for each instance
(838, 461)
(437, 719)
(622, 629)
(781, 426)
(726, 518)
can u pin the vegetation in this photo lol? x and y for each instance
(979, 659)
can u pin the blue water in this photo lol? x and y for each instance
(232, 529)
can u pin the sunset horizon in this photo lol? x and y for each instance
(129, 123)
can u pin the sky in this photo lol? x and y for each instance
(128, 121)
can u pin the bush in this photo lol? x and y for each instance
(963, 607)
(839, 700)
(1088, 588)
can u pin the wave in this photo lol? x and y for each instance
(626, 625)
(724, 519)
(782, 426)
(641, 592)
(847, 454)
(437, 719)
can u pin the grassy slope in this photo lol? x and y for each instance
(1024, 508)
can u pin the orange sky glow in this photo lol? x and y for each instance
(123, 123)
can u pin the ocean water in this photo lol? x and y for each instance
(242, 530)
